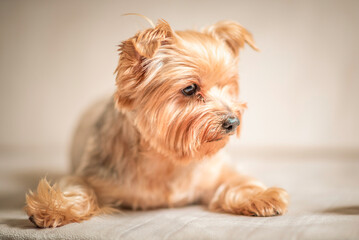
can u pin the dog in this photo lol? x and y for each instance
(156, 142)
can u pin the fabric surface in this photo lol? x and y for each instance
(324, 203)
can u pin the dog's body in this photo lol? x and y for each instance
(157, 144)
(144, 180)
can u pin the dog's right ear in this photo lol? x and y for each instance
(133, 53)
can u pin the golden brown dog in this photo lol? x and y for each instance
(156, 143)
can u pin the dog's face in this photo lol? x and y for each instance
(181, 87)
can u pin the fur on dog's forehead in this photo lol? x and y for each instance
(194, 57)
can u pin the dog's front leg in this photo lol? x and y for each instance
(70, 200)
(243, 195)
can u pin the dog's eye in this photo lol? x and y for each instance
(190, 90)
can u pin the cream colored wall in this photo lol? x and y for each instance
(302, 89)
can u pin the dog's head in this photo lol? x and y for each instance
(181, 87)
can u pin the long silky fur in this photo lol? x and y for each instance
(149, 145)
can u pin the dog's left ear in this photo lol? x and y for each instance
(233, 34)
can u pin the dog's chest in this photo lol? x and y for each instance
(160, 185)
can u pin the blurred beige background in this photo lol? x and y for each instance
(56, 57)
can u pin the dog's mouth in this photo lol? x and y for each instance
(224, 135)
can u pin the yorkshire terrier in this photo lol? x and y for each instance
(156, 142)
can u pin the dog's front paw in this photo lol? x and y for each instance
(252, 201)
(47, 207)
(271, 202)
(51, 207)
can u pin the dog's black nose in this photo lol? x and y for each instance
(230, 124)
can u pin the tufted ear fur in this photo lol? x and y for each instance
(233, 34)
(133, 52)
